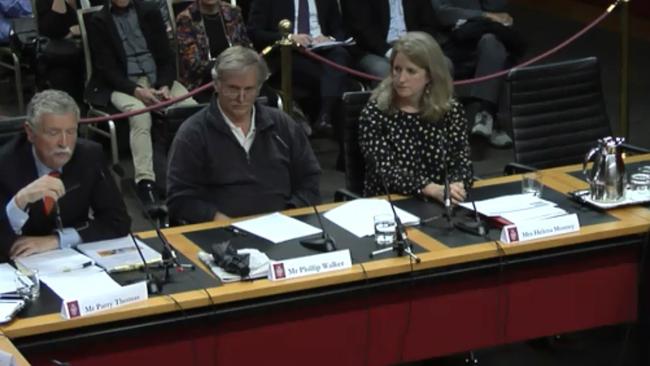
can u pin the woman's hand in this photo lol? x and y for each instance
(436, 191)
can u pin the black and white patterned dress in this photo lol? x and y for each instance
(410, 151)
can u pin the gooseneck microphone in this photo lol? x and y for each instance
(325, 243)
(169, 257)
(154, 284)
(476, 226)
(402, 244)
(446, 199)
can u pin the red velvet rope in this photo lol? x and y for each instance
(362, 74)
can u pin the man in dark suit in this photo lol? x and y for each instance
(314, 21)
(54, 188)
(376, 24)
(133, 67)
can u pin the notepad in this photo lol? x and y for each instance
(118, 255)
(55, 261)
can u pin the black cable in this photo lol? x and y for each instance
(192, 340)
(409, 311)
(502, 294)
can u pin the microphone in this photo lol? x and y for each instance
(169, 257)
(323, 244)
(154, 284)
(402, 245)
(446, 199)
(476, 227)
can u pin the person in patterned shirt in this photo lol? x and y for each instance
(412, 127)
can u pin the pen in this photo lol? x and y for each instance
(83, 265)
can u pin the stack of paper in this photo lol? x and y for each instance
(277, 227)
(55, 261)
(357, 216)
(119, 254)
(7, 278)
(517, 208)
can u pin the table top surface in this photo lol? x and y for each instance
(633, 220)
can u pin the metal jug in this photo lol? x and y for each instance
(607, 175)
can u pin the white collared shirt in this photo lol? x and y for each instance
(314, 25)
(246, 141)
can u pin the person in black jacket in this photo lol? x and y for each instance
(322, 23)
(237, 157)
(376, 24)
(89, 206)
(133, 66)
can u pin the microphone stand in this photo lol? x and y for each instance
(402, 244)
(476, 227)
(169, 258)
(154, 285)
(446, 200)
(325, 243)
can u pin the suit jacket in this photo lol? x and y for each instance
(109, 58)
(448, 12)
(89, 186)
(368, 21)
(266, 14)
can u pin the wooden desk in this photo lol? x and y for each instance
(378, 312)
(7, 346)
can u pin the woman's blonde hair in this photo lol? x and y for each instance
(422, 50)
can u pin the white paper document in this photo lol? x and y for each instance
(82, 282)
(357, 216)
(119, 254)
(533, 214)
(277, 227)
(7, 278)
(507, 204)
(348, 42)
(55, 261)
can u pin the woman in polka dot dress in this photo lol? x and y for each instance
(412, 125)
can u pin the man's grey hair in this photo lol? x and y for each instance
(238, 58)
(50, 102)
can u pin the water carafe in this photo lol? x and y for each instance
(607, 175)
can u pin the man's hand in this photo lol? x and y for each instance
(163, 93)
(74, 32)
(302, 39)
(436, 191)
(28, 245)
(503, 18)
(321, 39)
(146, 95)
(45, 186)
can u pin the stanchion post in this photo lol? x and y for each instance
(286, 47)
(624, 104)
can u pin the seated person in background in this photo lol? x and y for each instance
(412, 126)
(10, 9)
(314, 22)
(237, 157)
(376, 24)
(133, 67)
(480, 31)
(203, 31)
(49, 164)
(62, 57)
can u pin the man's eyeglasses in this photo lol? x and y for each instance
(232, 92)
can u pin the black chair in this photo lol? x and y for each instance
(353, 103)
(557, 112)
(10, 127)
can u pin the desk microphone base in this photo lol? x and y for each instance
(402, 249)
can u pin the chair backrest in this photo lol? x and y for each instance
(10, 127)
(557, 112)
(83, 16)
(353, 103)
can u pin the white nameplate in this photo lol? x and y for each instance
(536, 229)
(310, 265)
(72, 308)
